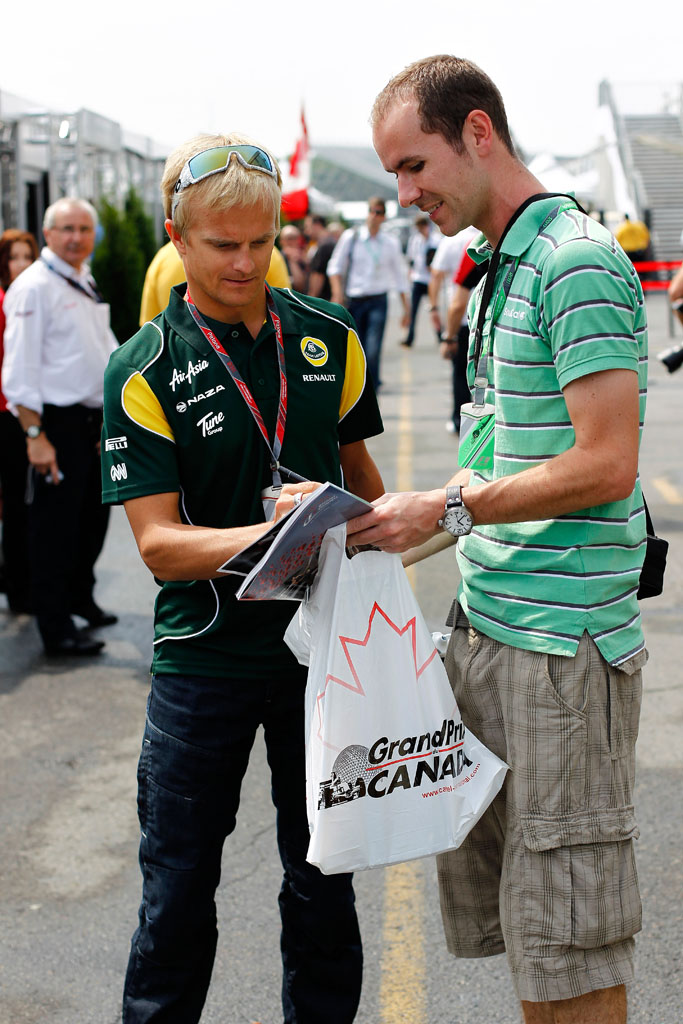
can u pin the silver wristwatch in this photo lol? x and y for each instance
(457, 518)
(34, 431)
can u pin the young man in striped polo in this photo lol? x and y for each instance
(547, 650)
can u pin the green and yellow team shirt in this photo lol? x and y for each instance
(567, 302)
(174, 421)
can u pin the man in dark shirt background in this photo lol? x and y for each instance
(324, 237)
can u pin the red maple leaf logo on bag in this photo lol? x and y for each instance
(355, 649)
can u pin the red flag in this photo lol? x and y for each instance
(295, 187)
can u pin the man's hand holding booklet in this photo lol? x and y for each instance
(283, 562)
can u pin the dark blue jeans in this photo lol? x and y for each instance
(418, 291)
(196, 746)
(370, 314)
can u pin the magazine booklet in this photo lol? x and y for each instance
(282, 563)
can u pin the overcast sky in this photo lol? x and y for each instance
(171, 69)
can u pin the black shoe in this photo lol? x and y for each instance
(406, 344)
(94, 615)
(79, 645)
(672, 358)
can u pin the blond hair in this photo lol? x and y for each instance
(236, 186)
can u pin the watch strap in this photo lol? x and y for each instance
(453, 499)
(454, 496)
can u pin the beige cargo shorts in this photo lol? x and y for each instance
(548, 874)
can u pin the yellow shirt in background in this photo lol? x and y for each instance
(632, 235)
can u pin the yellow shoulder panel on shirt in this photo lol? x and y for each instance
(354, 378)
(142, 406)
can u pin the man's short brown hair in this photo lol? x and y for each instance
(446, 88)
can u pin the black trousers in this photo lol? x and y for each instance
(67, 521)
(418, 291)
(13, 469)
(461, 391)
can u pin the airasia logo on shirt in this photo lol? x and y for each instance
(181, 376)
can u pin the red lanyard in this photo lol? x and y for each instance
(241, 384)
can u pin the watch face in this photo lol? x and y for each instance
(457, 521)
(34, 431)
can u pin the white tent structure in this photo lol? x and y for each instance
(564, 175)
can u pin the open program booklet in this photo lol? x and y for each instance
(282, 563)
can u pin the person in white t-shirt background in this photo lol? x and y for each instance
(57, 344)
(366, 265)
(422, 246)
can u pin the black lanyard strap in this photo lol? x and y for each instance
(480, 374)
(94, 294)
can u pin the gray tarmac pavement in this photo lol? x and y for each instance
(69, 739)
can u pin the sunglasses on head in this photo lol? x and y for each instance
(212, 161)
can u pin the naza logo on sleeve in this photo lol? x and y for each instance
(314, 350)
(119, 472)
(204, 394)
(113, 444)
(193, 399)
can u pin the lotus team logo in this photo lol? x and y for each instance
(314, 350)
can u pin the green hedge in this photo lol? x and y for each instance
(121, 259)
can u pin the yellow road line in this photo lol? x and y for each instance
(403, 973)
(404, 468)
(402, 986)
(668, 491)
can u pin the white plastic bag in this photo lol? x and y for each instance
(391, 772)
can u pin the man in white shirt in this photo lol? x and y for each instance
(444, 265)
(422, 246)
(57, 344)
(367, 264)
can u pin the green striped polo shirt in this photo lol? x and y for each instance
(567, 302)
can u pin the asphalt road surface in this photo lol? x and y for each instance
(69, 739)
